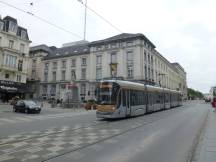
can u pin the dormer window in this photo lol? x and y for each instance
(113, 45)
(12, 27)
(1, 25)
(23, 34)
(130, 43)
(98, 48)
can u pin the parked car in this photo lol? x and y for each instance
(26, 106)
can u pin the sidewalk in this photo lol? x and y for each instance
(206, 150)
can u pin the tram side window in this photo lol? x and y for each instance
(124, 98)
(157, 98)
(132, 98)
(119, 99)
(144, 98)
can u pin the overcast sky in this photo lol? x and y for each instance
(183, 31)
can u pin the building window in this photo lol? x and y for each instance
(46, 66)
(20, 65)
(83, 74)
(63, 64)
(10, 61)
(63, 75)
(152, 74)
(23, 34)
(44, 89)
(152, 60)
(113, 45)
(130, 72)
(130, 64)
(129, 43)
(22, 47)
(148, 59)
(53, 90)
(55, 65)
(145, 57)
(73, 74)
(83, 61)
(98, 73)
(54, 76)
(11, 44)
(98, 60)
(45, 76)
(0, 41)
(19, 77)
(146, 75)
(1, 25)
(98, 48)
(149, 74)
(73, 63)
(34, 63)
(129, 58)
(83, 89)
(12, 27)
(33, 73)
(113, 57)
(7, 76)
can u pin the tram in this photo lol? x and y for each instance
(213, 96)
(119, 99)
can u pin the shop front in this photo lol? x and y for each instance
(9, 89)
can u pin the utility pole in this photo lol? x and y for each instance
(84, 36)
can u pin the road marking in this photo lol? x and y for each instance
(29, 118)
(8, 120)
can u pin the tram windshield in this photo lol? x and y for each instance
(107, 94)
(214, 91)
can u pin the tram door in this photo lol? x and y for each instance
(127, 99)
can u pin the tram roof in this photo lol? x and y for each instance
(140, 86)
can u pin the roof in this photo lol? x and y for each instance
(42, 47)
(19, 31)
(69, 51)
(176, 64)
(122, 37)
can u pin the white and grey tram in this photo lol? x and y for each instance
(119, 99)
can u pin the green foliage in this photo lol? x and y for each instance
(194, 94)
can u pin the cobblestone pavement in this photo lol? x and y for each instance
(39, 146)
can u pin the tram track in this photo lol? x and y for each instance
(129, 125)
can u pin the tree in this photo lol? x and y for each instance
(194, 94)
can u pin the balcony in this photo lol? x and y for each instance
(9, 68)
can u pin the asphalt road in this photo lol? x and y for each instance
(166, 136)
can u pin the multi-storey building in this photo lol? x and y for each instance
(36, 55)
(14, 49)
(65, 69)
(128, 56)
(134, 57)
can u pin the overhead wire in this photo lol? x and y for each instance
(104, 19)
(41, 19)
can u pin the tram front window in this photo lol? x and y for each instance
(107, 94)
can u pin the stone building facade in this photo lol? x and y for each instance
(127, 56)
(14, 50)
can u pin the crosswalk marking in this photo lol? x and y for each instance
(7, 120)
(21, 119)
